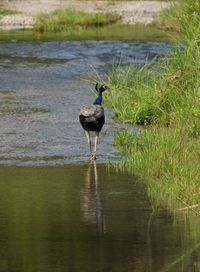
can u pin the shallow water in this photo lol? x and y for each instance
(42, 88)
(67, 215)
(86, 218)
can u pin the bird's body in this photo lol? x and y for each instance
(92, 118)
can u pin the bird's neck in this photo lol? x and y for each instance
(98, 100)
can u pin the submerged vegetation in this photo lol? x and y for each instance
(166, 98)
(63, 20)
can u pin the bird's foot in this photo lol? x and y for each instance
(93, 157)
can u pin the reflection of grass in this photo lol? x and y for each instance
(63, 20)
(111, 32)
(166, 97)
(4, 11)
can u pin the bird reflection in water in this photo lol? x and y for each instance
(90, 201)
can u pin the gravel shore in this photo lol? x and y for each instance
(131, 12)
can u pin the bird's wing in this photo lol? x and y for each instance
(95, 111)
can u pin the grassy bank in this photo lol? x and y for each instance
(165, 97)
(4, 11)
(63, 20)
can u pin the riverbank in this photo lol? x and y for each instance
(129, 12)
(165, 98)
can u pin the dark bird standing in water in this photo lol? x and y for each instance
(92, 118)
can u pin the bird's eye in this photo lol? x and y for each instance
(104, 86)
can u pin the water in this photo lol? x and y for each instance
(86, 218)
(59, 212)
(43, 85)
(112, 32)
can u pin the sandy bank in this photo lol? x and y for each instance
(131, 12)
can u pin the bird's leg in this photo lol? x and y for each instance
(96, 140)
(87, 133)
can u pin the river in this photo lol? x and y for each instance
(59, 211)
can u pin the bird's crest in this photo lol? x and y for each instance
(100, 89)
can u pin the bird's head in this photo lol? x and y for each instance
(102, 88)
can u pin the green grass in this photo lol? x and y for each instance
(168, 160)
(64, 20)
(167, 19)
(165, 97)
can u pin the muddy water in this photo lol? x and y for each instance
(42, 88)
(87, 218)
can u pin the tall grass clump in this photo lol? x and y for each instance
(165, 97)
(64, 20)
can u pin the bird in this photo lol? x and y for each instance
(92, 118)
